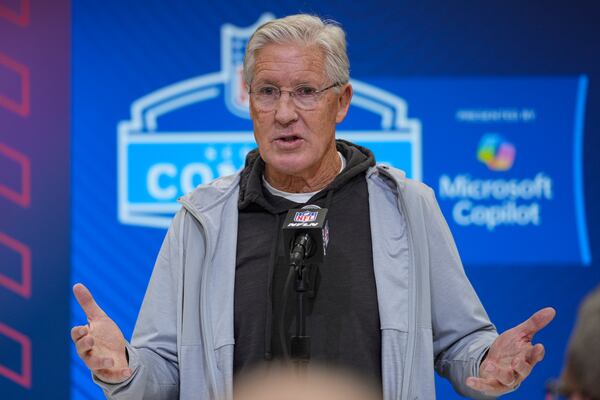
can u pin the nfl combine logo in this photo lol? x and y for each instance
(306, 216)
(199, 129)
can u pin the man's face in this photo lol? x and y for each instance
(292, 141)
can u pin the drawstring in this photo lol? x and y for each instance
(269, 310)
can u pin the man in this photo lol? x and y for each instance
(392, 297)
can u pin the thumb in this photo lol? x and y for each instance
(537, 321)
(87, 302)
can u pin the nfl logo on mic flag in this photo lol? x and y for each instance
(306, 216)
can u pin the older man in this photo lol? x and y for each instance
(392, 298)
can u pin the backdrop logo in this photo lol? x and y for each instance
(157, 163)
(501, 201)
(495, 152)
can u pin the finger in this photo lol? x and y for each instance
(487, 386)
(522, 367)
(537, 321)
(86, 301)
(506, 376)
(77, 332)
(84, 345)
(536, 354)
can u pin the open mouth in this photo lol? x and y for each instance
(288, 142)
(288, 139)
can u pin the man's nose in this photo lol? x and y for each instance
(285, 110)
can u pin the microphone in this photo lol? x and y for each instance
(305, 240)
(305, 235)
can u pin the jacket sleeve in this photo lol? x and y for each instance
(153, 349)
(462, 331)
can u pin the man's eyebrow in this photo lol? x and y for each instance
(304, 83)
(266, 82)
(315, 82)
(294, 84)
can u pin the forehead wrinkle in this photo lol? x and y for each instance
(293, 63)
(280, 78)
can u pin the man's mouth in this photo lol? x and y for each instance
(290, 142)
(289, 138)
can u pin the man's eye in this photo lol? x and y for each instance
(267, 91)
(305, 91)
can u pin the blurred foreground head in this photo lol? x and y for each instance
(312, 383)
(581, 376)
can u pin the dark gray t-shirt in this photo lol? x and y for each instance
(343, 316)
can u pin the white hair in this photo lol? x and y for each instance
(306, 30)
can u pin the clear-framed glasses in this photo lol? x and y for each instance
(305, 97)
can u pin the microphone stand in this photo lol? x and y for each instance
(307, 234)
(300, 343)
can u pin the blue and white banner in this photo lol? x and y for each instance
(159, 107)
(169, 145)
(504, 154)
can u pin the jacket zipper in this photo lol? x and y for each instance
(412, 308)
(205, 326)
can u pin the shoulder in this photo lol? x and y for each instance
(395, 179)
(207, 195)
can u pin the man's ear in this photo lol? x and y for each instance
(343, 99)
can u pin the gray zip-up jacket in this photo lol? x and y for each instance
(430, 316)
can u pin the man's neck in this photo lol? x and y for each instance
(308, 182)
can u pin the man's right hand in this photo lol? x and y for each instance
(100, 343)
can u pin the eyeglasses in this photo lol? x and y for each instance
(305, 97)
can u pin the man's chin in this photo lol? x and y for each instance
(290, 166)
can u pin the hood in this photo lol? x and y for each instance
(207, 195)
(253, 194)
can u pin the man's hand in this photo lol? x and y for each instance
(511, 357)
(100, 343)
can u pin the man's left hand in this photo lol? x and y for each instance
(511, 357)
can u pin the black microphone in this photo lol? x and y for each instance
(305, 240)
(305, 235)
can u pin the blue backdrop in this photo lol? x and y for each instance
(472, 92)
(34, 199)
(495, 105)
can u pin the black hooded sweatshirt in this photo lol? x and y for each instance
(343, 316)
